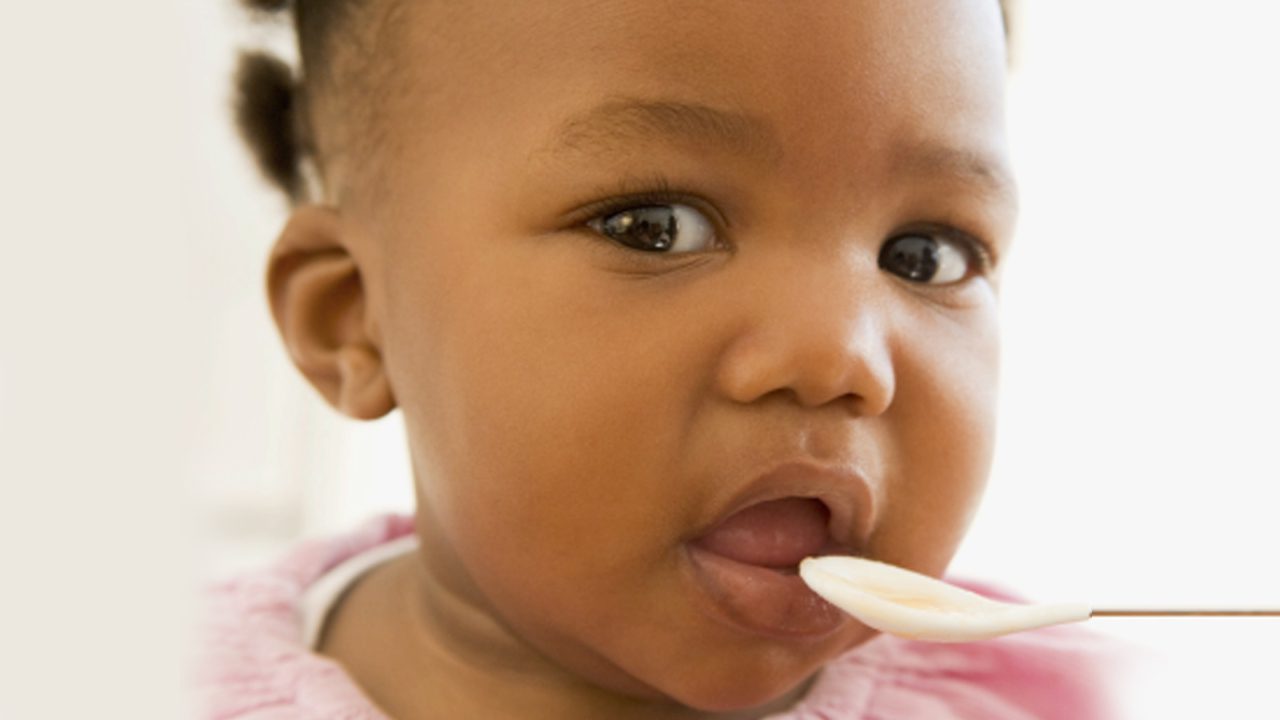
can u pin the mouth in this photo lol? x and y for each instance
(747, 566)
(774, 534)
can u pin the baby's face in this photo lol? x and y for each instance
(635, 255)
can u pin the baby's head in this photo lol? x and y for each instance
(671, 294)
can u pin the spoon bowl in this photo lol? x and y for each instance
(910, 605)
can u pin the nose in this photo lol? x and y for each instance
(818, 334)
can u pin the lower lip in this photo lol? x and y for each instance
(762, 600)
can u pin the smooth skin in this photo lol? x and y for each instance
(577, 408)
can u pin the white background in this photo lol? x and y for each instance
(152, 431)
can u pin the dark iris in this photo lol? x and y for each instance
(914, 257)
(650, 229)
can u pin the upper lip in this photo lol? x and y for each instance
(844, 489)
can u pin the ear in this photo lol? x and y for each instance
(319, 303)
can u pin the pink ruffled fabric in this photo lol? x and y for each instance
(255, 665)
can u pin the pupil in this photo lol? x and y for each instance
(914, 257)
(651, 229)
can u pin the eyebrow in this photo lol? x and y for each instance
(978, 167)
(620, 121)
(623, 120)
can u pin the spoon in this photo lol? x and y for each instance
(910, 605)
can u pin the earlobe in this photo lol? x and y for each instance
(318, 300)
(364, 393)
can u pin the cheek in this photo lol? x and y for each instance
(551, 410)
(547, 420)
(943, 420)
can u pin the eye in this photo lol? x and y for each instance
(932, 258)
(669, 229)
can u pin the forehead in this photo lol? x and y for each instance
(812, 86)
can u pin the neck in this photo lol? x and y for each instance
(422, 651)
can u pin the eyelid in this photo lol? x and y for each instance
(634, 193)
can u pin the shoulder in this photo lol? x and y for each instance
(253, 661)
(1056, 673)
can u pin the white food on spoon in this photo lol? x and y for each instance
(910, 605)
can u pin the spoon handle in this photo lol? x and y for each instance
(1185, 613)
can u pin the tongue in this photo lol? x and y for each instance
(774, 534)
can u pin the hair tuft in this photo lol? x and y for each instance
(265, 111)
(266, 5)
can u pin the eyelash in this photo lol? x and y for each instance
(659, 191)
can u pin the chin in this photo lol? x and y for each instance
(739, 689)
(770, 682)
(743, 698)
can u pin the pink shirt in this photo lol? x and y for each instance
(257, 666)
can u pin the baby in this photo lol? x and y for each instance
(671, 294)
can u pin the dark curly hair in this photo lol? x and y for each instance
(276, 107)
